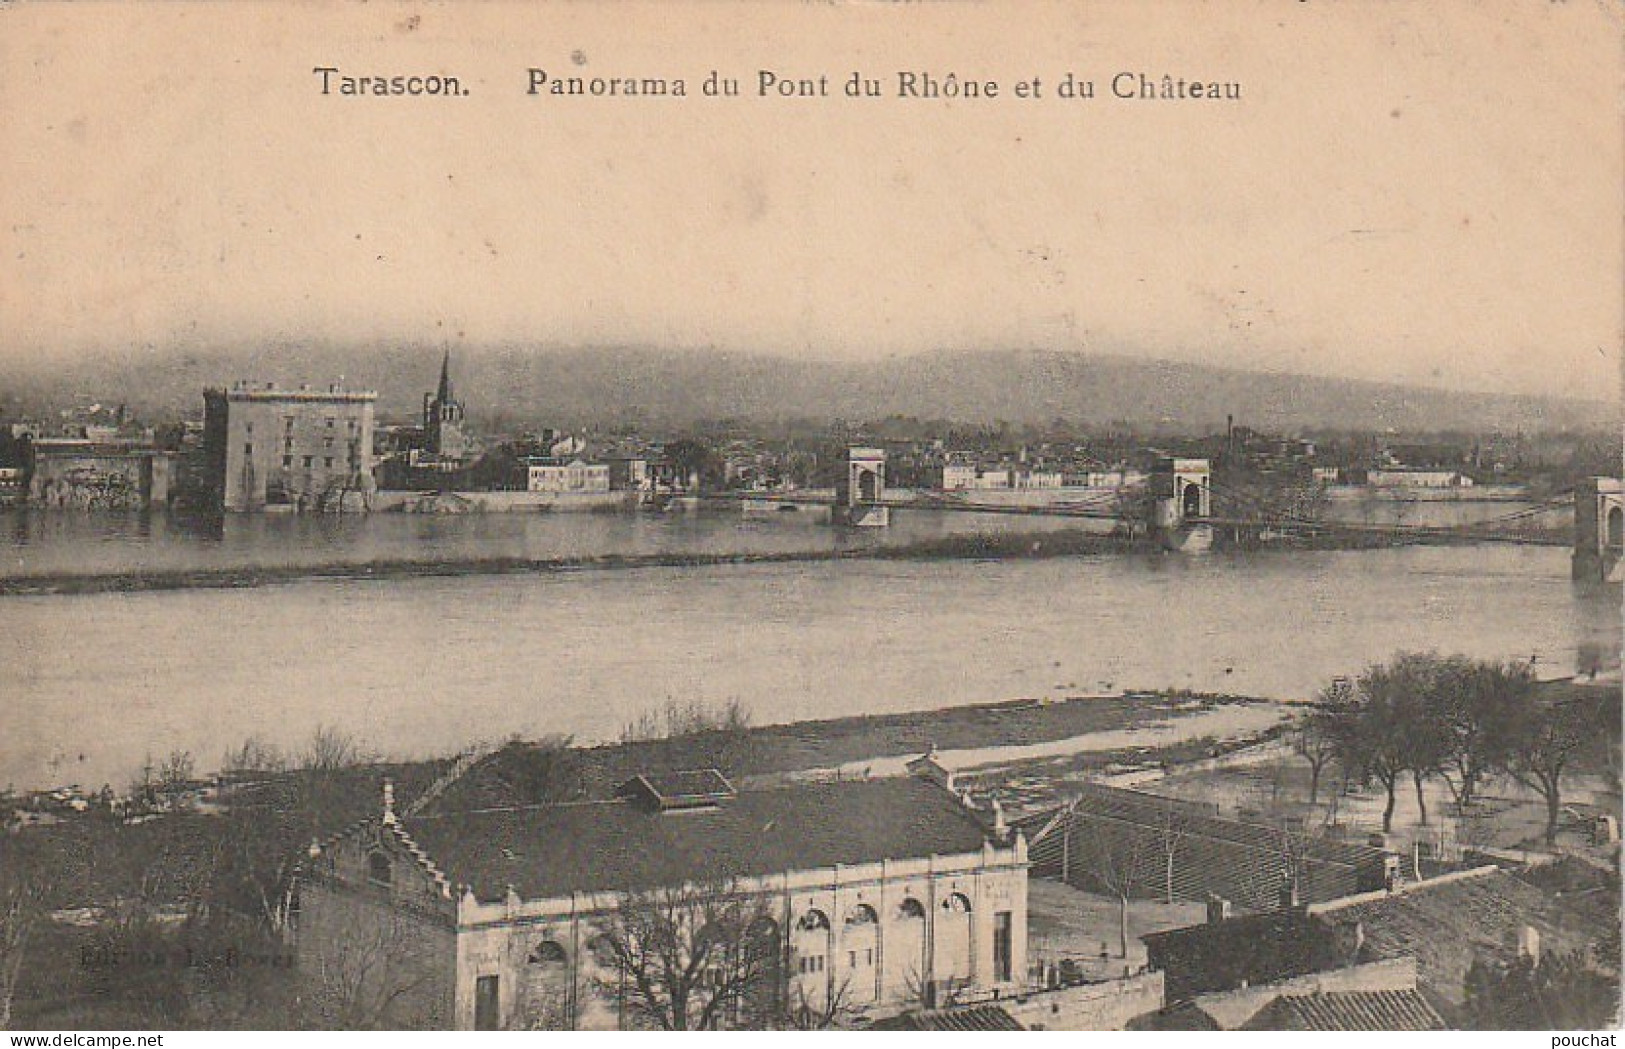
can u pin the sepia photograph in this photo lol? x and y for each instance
(982, 516)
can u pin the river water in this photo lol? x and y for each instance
(89, 684)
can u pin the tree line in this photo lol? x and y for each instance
(1422, 716)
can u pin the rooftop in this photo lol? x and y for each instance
(1450, 921)
(1247, 950)
(1348, 1011)
(549, 851)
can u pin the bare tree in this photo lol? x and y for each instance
(1114, 862)
(1384, 732)
(690, 957)
(332, 749)
(367, 975)
(1314, 738)
(1173, 827)
(541, 1000)
(805, 1011)
(1547, 737)
(1479, 704)
(255, 755)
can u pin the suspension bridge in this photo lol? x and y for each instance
(1183, 496)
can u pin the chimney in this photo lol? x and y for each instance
(1218, 909)
(1000, 828)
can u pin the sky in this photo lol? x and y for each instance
(1408, 193)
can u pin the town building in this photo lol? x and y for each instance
(876, 896)
(307, 450)
(1400, 477)
(566, 475)
(1388, 960)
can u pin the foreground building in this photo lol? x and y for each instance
(1394, 960)
(868, 898)
(304, 449)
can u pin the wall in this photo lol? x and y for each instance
(955, 949)
(1231, 1009)
(307, 448)
(100, 480)
(381, 950)
(386, 500)
(1092, 1007)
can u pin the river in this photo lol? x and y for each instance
(92, 683)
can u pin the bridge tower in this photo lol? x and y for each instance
(860, 490)
(1599, 529)
(1181, 501)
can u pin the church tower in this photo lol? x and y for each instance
(443, 418)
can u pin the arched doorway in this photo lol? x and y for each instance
(953, 945)
(542, 997)
(1616, 527)
(1191, 500)
(906, 968)
(868, 486)
(810, 965)
(860, 952)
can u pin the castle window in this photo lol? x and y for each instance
(248, 448)
(378, 869)
(328, 462)
(310, 460)
(287, 462)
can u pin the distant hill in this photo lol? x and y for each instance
(514, 385)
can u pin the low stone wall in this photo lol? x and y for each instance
(398, 501)
(1090, 1007)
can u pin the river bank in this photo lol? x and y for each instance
(1002, 545)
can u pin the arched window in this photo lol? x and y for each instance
(378, 868)
(548, 952)
(911, 909)
(813, 921)
(862, 914)
(958, 903)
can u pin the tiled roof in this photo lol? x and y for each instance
(1447, 925)
(1348, 1011)
(552, 850)
(972, 1018)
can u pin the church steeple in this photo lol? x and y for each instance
(443, 417)
(444, 394)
